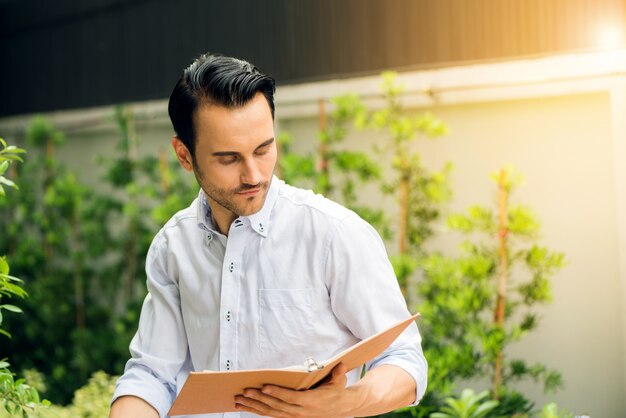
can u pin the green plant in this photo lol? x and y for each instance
(469, 405)
(70, 242)
(334, 171)
(420, 192)
(18, 398)
(479, 303)
(90, 401)
(513, 404)
(551, 411)
(44, 232)
(8, 154)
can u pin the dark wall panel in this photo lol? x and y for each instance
(78, 53)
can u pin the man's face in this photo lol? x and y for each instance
(235, 156)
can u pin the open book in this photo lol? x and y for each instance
(211, 392)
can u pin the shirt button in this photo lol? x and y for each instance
(229, 316)
(228, 364)
(261, 227)
(231, 267)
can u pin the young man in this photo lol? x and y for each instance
(259, 274)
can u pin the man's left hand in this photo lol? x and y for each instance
(325, 401)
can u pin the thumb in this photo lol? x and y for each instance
(339, 373)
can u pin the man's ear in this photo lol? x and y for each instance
(182, 153)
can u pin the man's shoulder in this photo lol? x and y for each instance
(183, 216)
(306, 202)
(182, 220)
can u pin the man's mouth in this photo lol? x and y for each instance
(249, 192)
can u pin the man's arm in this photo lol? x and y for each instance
(385, 388)
(366, 298)
(159, 348)
(132, 406)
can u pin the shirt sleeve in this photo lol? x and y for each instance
(366, 297)
(159, 348)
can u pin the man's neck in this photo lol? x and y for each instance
(223, 221)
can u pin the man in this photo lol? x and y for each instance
(259, 274)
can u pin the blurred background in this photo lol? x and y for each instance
(398, 109)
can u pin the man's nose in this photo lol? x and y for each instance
(250, 173)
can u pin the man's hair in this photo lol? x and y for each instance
(215, 80)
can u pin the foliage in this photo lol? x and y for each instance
(339, 172)
(513, 404)
(8, 154)
(469, 405)
(460, 296)
(90, 401)
(82, 252)
(294, 168)
(420, 192)
(551, 410)
(18, 398)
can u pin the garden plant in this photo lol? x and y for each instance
(19, 399)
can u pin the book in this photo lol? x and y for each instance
(214, 392)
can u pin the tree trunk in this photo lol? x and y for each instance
(79, 288)
(502, 275)
(404, 203)
(323, 150)
(47, 182)
(165, 172)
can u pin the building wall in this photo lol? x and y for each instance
(68, 54)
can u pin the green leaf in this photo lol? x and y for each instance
(11, 308)
(4, 266)
(7, 182)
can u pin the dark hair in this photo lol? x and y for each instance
(215, 79)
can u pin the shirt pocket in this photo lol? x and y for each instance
(286, 318)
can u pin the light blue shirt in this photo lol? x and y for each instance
(302, 278)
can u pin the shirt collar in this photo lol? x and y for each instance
(259, 222)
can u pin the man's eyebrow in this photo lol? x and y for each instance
(229, 153)
(266, 143)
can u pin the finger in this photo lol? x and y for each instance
(254, 406)
(271, 401)
(339, 370)
(338, 375)
(289, 396)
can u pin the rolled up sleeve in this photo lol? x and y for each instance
(159, 348)
(366, 297)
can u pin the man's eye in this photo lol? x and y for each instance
(228, 160)
(262, 151)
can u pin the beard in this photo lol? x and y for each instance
(229, 198)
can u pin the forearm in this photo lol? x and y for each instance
(381, 390)
(132, 407)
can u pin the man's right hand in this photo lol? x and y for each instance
(132, 407)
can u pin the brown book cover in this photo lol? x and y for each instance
(214, 392)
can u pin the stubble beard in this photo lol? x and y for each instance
(226, 198)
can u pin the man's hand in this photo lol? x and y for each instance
(331, 399)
